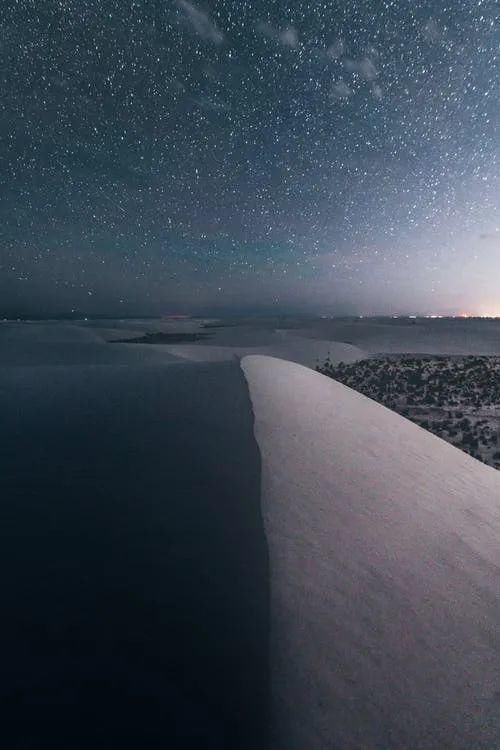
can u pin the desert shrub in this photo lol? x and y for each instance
(470, 440)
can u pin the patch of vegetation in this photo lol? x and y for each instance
(164, 338)
(456, 398)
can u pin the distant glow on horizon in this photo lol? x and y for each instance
(479, 315)
(490, 312)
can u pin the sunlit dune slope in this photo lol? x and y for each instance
(384, 553)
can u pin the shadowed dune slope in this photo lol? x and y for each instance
(46, 332)
(45, 344)
(384, 546)
(133, 565)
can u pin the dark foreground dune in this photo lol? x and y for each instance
(133, 566)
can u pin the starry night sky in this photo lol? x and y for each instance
(161, 156)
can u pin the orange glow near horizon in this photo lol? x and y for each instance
(485, 313)
(489, 311)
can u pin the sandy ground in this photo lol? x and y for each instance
(44, 344)
(424, 336)
(27, 344)
(289, 347)
(303, 340)
(133, 565)
(384, 555)
(373, 335)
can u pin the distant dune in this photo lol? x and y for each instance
(48, 344)
(404, 335)
(46, 332)
(293, 348)
(384, 554)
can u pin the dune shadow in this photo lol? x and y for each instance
(134, 571)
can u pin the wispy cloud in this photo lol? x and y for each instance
(174, 84)
(431, 31)
(377, 91)
(288, 37)
(364, 68)
(340, 90)
(212, 103)
(336, 50)
(201, 22)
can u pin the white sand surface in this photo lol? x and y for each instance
(111, 330)
(370, 335)
(43, 344)
(46, 332)
(422, 336)
(305, 351)
(384, 546)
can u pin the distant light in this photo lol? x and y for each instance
(486, 316)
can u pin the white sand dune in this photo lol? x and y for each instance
(384, 553)
(108, 335)
(373, 335)
(422, 336)
(234, 342)
(74, 355)
(304, 351)
(46, 332)
(35, 345)
(383, 540)
(112, 330)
